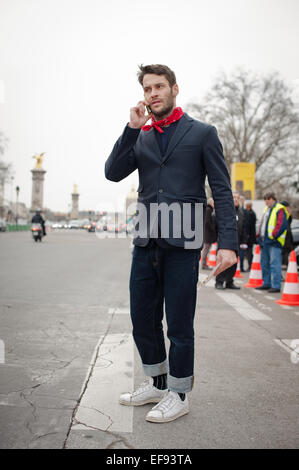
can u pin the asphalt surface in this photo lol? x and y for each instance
(65, 300)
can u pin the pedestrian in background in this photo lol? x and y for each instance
(289, 243)
(210, 232)
(271, 237)
(242, 253)
(242, 202)
(250, 236)
(227, 276)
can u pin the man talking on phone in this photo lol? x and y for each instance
(173, 156)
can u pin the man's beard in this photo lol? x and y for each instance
(167, 108)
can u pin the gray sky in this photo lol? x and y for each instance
(68, 75)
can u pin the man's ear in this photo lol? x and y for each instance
(175, 90)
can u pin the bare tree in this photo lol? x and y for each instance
(257, 121)
(3, 143)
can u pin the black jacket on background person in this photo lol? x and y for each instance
(194, 152)
(210, 232)
(289, 243)
(250, 227)
(228, 275)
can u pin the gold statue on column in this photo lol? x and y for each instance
(39, 160)
(75, 191)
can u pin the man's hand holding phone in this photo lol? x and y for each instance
(137, 115)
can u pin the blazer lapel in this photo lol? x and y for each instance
(184, 125)
(152, 143)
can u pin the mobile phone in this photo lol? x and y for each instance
(148, 109)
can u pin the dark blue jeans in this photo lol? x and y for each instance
(159, 275)
(271, 265)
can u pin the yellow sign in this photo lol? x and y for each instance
(243, 179)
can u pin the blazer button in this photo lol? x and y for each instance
(160, 190)
(162, 165)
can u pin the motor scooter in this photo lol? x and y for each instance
(37, 232)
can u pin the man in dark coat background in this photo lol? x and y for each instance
(227, 276)
(250, 236)
(289, 243)
(210, 232)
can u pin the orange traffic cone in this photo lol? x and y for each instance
(238, 272)
(290, 295)
(255, 275)
(211, 261)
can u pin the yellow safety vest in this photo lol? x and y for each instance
(272, 222)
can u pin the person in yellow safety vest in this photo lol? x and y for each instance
(271, 238)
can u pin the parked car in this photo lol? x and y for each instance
(91, 226)
(2, 225)
(297, 255)
(60, 224)
(74, 224)
(111, 228)
(295, 231)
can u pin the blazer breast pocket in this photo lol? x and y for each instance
(186, 148)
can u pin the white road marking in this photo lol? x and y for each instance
(112, 374)
(282, 345)
(270, 297)
(286, 307)
(242, 307)
(122, 311)
(258, 291)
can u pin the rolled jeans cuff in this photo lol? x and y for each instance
(180, 384)
(152, 370)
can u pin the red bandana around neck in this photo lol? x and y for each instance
(176, 114)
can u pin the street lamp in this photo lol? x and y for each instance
(17, 203)
(11, 189)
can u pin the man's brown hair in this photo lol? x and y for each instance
(157, 69)
(270, 196)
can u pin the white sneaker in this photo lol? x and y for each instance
(170, 408)
(145, 393)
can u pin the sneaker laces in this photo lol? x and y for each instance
(142, 387)
(166, 402)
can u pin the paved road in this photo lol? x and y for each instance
(64, 322)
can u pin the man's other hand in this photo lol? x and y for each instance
(226, 259)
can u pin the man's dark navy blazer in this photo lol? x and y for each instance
(193, 153)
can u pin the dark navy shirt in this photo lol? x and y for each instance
(164, 139)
